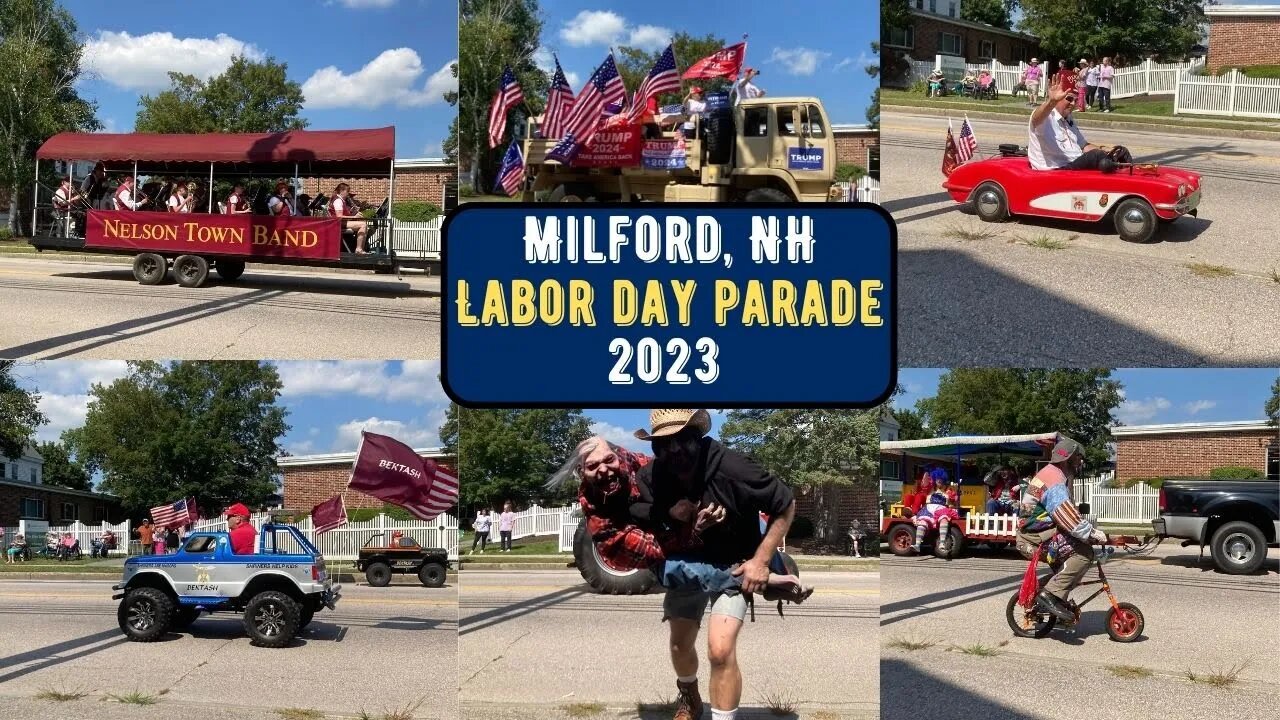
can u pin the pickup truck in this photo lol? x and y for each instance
(278, 589)
(1237, 519)
(379, 562)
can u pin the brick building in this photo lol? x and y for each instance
(1194, 449)
(936, 29)
(857, 145)
(24, 496)
(308, 480)
(424, 179)
(1243, 35)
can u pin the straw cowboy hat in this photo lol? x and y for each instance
(669, 422)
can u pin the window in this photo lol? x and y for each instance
(70, 511)
(813, 122)
(35, 476)
(13, 471)
(949, 44)
(1019, 53)
(1273, 462)
(99, 514)
(986, 49)
(952, 10)
(888, 470)
(933, 6)
(755, 122)
(786, 120)
(32, 509)
(901, 37)
(202, 544)
(919, 4)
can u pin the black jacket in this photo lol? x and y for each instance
(728, 478)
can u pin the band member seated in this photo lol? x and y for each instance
(342, 207)
(181, 199)
(64, 198)
(125, 198)
(94, 187)
(278, 203)
(236, 204)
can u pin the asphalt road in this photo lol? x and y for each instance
(60, 309)
(383, 649)
(541, 644)
(1197, 620)
(1099, 302)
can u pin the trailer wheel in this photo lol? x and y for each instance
(229, 269)
(600, 576)
(190, 270)
(902, 539)
(954, 545)
(431, 575)
(149, 268)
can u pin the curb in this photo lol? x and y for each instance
(110, 259)
(1190, 130)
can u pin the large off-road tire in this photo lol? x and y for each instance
(229, 269)
(431, 575)
(990, 203)
(1125, 623)
(1239, 548)
(305, 617)
(378, 574)
(902, 538)
(767, 195)
(1135, 220)
(145, 614)
(190, 270)
(271, 619)
(954, 547)
(149, 268)
(719, 134)
(600, 576)
(1036, 624)
(184, 616)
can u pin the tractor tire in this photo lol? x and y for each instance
(272, 619)
(145, 614)
(600, 576)
(767, 195)
(378, 574)
(431, 575)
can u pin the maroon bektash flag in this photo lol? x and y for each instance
(329, 515)
(725, 63)
(950, 156)
(391, 471)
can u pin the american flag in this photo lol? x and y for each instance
(508, 96)
(442, 495)
(604, 87)
(663, 78)
(968, 145)
(511, 175)
(182, 512)
(559, 103)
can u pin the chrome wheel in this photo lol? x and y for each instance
(270, 619)
(142, 615)
(1239, 547)
(1133, 222)
(988, 202)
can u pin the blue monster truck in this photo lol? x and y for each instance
(278, 589)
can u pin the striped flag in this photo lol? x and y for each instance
(968, 144)
(329, 515)
(443, 494)
(391, 471)
(602, 90)
(181, 512)
(559, 103)
(508, 96)
(663, 78)
(949, 160)
(511, 175)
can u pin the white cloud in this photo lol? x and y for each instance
(63, 411)
(1199, 406)
(424, 434)
(142, 62)
(416, 382)
(593, 27)
(546, 62)
(69, 376)
(650, 37)
(799, 61)
(619, 436)
(360, 4)
(433, 149)
(574, 79)
(1140, 411)
(858, 63)
(392, 78)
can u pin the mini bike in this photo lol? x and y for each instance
(1124, 620)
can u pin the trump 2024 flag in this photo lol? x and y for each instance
(329, 515)
(391, 471)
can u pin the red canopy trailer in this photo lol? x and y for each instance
(193, 242)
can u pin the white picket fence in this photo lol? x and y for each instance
(345, 542)
(534, 521)
(869, 189)
(1232, 95)
(1139, 503)
(1149, 78)
(84, 534)
(417, 239)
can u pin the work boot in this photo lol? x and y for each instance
(688, 702)
(1057, 606)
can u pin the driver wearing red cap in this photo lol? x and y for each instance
(242, 533)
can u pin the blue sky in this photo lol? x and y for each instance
(328, 402)
(820, 49)
(362, 63)
(1155, 396)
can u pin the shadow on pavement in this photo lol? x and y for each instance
(905, 693)
(1271, 566)
(938, 323)
(896, 206)
(58, 653)
(499, 615)
(969, 593)
(310, 284)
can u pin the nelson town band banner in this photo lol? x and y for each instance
(203, 234)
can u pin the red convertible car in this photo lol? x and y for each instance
(1137, 198)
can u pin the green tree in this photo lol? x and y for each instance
(912, 424)
(634, 64)
(1006, 401)
(873, 110)
(510, 454)
(1272, 406)
(1128, 29)
(820, 449)
(61, 469)
(493, 34)
(248, 96)
(19, 413)
(208, 430)
(40, 54)
(997, 13)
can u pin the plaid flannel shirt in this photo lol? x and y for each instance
(622, 543)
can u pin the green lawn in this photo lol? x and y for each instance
(544, 545)
(488, 198)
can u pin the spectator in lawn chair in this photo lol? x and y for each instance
(1049, 520)
(242, 533)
